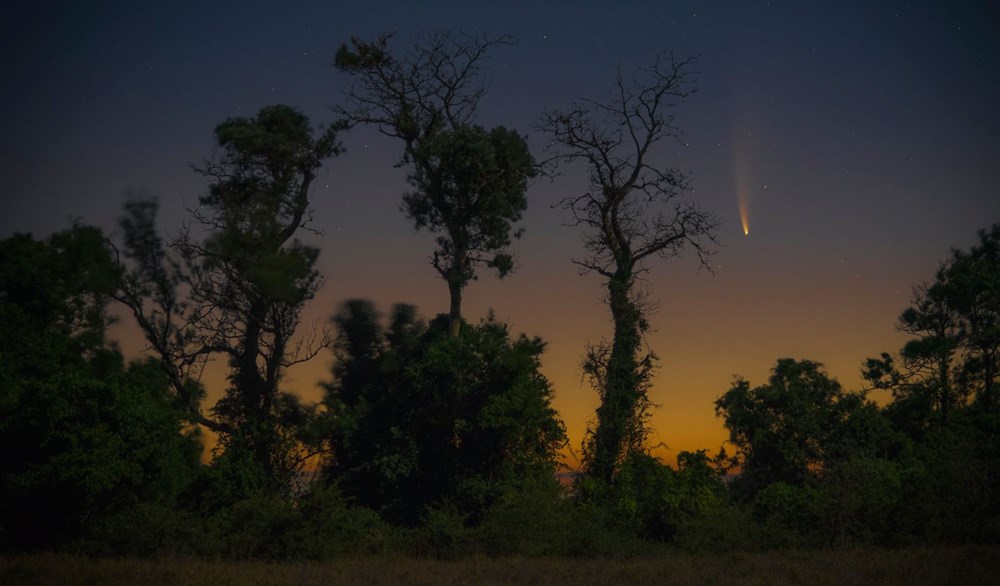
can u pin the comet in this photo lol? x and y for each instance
(743, 145)
(741, 196)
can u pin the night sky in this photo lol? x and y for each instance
(862, 135)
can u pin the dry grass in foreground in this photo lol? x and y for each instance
(952, 565)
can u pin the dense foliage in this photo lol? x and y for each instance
(446, 446)
(415, 417)
(438, 438)
(82, 435)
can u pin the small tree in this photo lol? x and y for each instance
(238, 292)
(927, 379)
(796, 425)
(955, 351)
(415, 418)
(469, 183)
(635, 209)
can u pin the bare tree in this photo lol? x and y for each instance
(634, 209)
(469, 182)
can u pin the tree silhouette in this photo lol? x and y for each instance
(975, 286)
(955, 350)
(415, 417)
(924, 382)
(469, 183)
(634, 209)
(82, 435)
(798, 423)
(239, 291)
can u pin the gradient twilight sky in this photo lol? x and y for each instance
(863, 137)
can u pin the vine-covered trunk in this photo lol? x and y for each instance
(619, 417)
(455, 276)
(455, 309)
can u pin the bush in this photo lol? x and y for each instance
(148, 530)
(330, 528)
(260, 527)
(858, 501)
(729, 528)
(443, 534)
(787, 515)
(648, 499)
(536, 520)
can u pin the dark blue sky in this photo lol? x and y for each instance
(873, 126)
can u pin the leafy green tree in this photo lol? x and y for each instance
(924, 385)
(974, 279)
(955, 350)
(239, 291)
(796, 425)
(634, 210)
(416, 418)
(469, 183)
(60, 286)
(949, 471)
(82, 436)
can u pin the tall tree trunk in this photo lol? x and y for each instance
(945, 393)
(255, 395)
(455, 310)
(618, 419)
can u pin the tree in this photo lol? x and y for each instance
(62, 285)
(796, 425)
(974, 279)
(416, 418)
(943, 383)
(925, 386)
(82, 435)
(955, 350)
(240, 290)
(634, 210)
(469, 183)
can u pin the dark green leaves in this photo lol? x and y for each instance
(470, 184)
(416, 417)
(799, 422)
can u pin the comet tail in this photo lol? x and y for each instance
(741, 195)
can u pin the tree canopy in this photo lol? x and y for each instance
(416, 418)
(954, 352)
(82, 434)
(800, 422)
(469, 182)
(239, 291)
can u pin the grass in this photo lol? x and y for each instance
(951, 565)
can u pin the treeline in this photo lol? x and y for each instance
(439, 438)
(434, 445)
